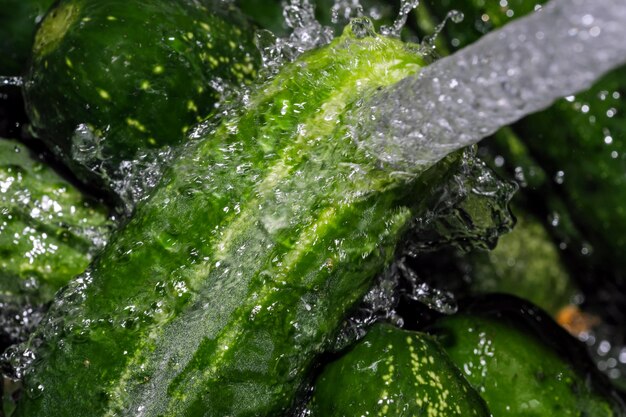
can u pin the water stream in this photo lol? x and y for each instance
(520, 69)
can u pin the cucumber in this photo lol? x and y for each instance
(120, 81)
(18, 22)
(49, 230)
(224, 286)
(515, 372)
(525, 263)
(393, 372)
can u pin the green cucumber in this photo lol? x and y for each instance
(18, 22)
(49, 229)
(118, 81)
(393, 372)
(237, 272)
(525, 263)
(516, 373)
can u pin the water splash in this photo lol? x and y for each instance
(517, 70)
(133, 179)
(306, 34)
(11, 81)
(344, 10)
(379, 304)
(428, 43)
(405, 8)
(472, 212)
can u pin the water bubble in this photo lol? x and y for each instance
(86, 147)
(456, 16)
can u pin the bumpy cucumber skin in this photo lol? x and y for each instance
(18, 22)
(392, 372)
(224, 286)
(49, 229)
(130, 76)
(515, 373)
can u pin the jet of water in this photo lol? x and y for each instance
(520, 69)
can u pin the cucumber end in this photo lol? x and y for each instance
(54, 27)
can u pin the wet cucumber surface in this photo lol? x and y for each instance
(393, 372)
(114, 82)
(245, 259)
(49, 230)
(515, 372)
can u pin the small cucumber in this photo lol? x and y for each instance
(393, 372)
(225, 285)
(525, 263)
(515, 372)
(118, 81)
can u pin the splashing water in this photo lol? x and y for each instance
(428, 43)
(306, 33)
(471, 213)
(405, 8)
(344, 10)
(11, 81)
(517, 70)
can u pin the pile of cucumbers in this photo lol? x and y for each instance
(194, 231)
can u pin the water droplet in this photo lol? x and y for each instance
(559, 177)
(405, 8)
(344, 10)
(11, 81)
(456, 16)
(362, 27)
